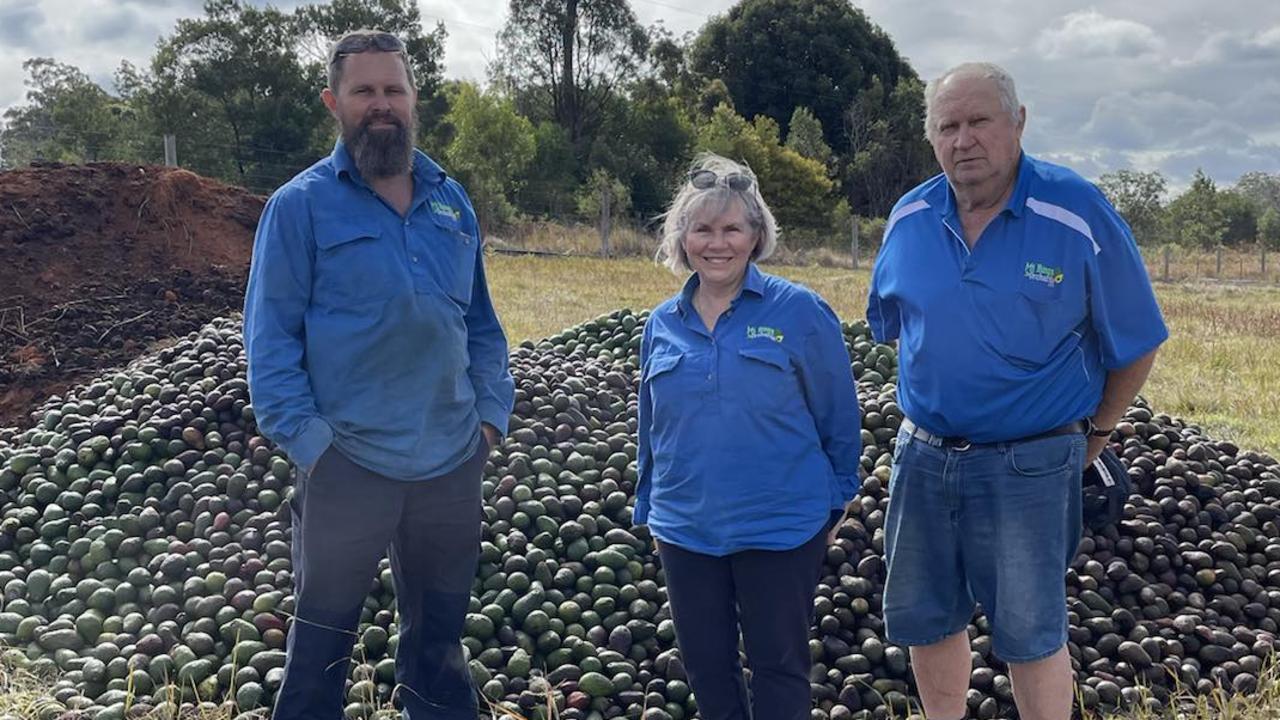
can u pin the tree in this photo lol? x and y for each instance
(242, 59)
(1269, 229)
(1263, 189)
(1194, 218)
(796, 188)
(67, 117)
(1138, 197)
(491, 146)
(776, 55)
(645, 142)
(570, 55)
(546, 187)
(887, 154)
(1240, 218)
(804, 135)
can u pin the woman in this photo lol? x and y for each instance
(749, 446)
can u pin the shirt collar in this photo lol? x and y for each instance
(426, 172)
(752, 283)
(1017, 203)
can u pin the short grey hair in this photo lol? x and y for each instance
(981, 70)
(691, 202)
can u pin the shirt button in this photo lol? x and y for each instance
(415, 258)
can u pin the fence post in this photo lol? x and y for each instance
(1218, 273)
(606, 219)
(1167, 252)
(853, 240)
(170, 150)
(1262, 248)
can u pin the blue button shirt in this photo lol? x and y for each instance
(1016, 336)
(372, 331)
(749, 435)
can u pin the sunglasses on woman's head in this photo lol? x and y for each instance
(704, 179)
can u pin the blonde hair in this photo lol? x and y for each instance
(691, 201)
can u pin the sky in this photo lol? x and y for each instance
(1170, 86)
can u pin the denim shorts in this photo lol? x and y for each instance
(996, 525)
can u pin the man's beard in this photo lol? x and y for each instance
(381, 153)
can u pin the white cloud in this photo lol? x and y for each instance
(1090, 34)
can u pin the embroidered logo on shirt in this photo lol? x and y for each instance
(1040, 272)
(755, 331)
(445, 209)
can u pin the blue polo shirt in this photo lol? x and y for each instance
(373, 331)
(749, 435)
(1016, 336)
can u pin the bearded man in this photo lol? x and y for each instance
(377, 363)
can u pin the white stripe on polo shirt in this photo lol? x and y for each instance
(1064, 216)
(905, 210)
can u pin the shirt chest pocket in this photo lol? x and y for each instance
(671, 382)
(457, 250)
(354, 264)
(766, 379)
(1031, 321)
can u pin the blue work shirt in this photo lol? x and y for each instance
(372, 331)
(749, 435)
(1016, 336)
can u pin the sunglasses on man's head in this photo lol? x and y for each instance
(704, 179)
(382, 42)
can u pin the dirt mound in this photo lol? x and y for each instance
(100, 261)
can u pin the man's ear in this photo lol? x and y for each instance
(329, 99)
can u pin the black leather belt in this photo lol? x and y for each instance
(1078, 427)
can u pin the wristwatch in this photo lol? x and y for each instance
(1094, 431)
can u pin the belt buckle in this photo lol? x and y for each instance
(963, 445)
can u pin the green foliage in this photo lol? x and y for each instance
(571, 55)
(1194, 218)
(776, 55)
(591, 196)
(795, 187)
(1240, 216)
(888, 154)
(547, 186)
(67, 117)
(1263, 189)
(645, 142)
(1269, 229)
(242, 60)
(804, 135)
(1138, 197)
(491, 147)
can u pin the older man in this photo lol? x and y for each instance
(1026, 325)
(377, 363)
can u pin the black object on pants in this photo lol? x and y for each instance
(770, 593)
(344, 519)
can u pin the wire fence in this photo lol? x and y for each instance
(1245, 264)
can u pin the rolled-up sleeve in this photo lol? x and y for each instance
(832, 397)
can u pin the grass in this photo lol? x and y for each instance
(1219, 368)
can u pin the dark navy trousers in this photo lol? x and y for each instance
(769, 594)
(344, 519)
